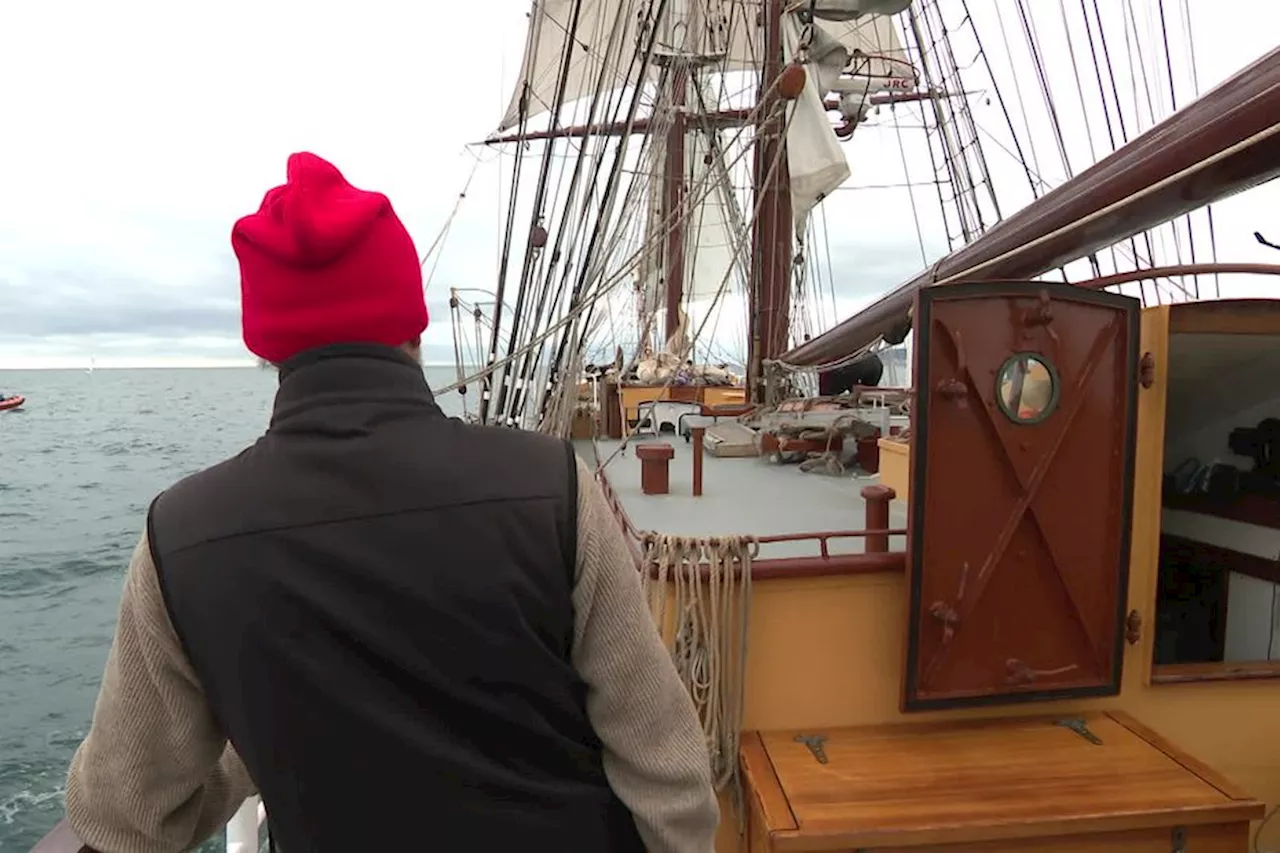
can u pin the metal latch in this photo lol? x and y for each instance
(1147, 370)
(814, 742)
(1179, 840)
(1078, 725)
(1133, 628)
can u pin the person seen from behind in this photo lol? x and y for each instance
(404, 631)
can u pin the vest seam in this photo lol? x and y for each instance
(350, 518)
(166, 597)
(165, 593)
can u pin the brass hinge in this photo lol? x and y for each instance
(1179, 840)
(1147, 370)
(815, 744)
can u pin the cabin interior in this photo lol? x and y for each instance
(1217, 604)
(1108, 686)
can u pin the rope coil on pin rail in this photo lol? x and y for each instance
(704, 585)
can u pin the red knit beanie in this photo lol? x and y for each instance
(321, 263)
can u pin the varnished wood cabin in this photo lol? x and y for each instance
(1067, 659)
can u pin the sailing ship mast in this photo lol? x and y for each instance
(769, 297)
(624, 86)
(571, 48)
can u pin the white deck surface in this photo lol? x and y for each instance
(744, 496)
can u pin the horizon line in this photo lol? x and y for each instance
(84, 369)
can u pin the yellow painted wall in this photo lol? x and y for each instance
(829, 652)
(895, 466)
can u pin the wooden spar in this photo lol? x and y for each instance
(769, 291)
(1225, 142)
(722, 118)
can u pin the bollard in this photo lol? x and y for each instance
(696, 434)
(876, 499)
(654, 473)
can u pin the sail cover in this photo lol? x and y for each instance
(610, 33)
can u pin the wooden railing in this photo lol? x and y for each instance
(876, 557)
(243, 831)
(62, 839)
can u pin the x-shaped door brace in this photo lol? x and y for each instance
(1030, 484)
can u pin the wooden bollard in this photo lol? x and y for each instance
(655, 478)
(876, 499)
(696, 434)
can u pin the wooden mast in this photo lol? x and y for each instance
(769, 290)
(769, 294)
(673, 173)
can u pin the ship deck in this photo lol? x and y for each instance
(744, 496)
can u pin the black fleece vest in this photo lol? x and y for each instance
(377, 601)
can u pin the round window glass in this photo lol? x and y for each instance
(1027, 388)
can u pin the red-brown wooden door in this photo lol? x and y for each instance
(1022, 467)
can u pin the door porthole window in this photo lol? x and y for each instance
(1027, 389)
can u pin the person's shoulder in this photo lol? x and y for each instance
(536, 457)
(213, 479)
(499, 437)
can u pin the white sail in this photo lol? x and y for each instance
(609, 33)
(649, 273)
(713, 262)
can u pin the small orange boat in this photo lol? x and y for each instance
(14, 402)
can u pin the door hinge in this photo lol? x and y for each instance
(1179, 840)
(1133, 628)
(1147, 370)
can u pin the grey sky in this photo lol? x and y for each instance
(135, 132)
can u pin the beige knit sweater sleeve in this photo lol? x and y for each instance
(156, 775)
(655, 754)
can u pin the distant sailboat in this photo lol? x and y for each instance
(89, 369)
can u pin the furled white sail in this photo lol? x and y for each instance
(875, 39)
(848, 10)
(725, 32)
(815, 160)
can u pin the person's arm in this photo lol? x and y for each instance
(655, 754)
(155, 774)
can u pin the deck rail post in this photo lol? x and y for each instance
(876, 500)
(696, 435)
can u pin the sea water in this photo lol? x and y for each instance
(79, 464)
